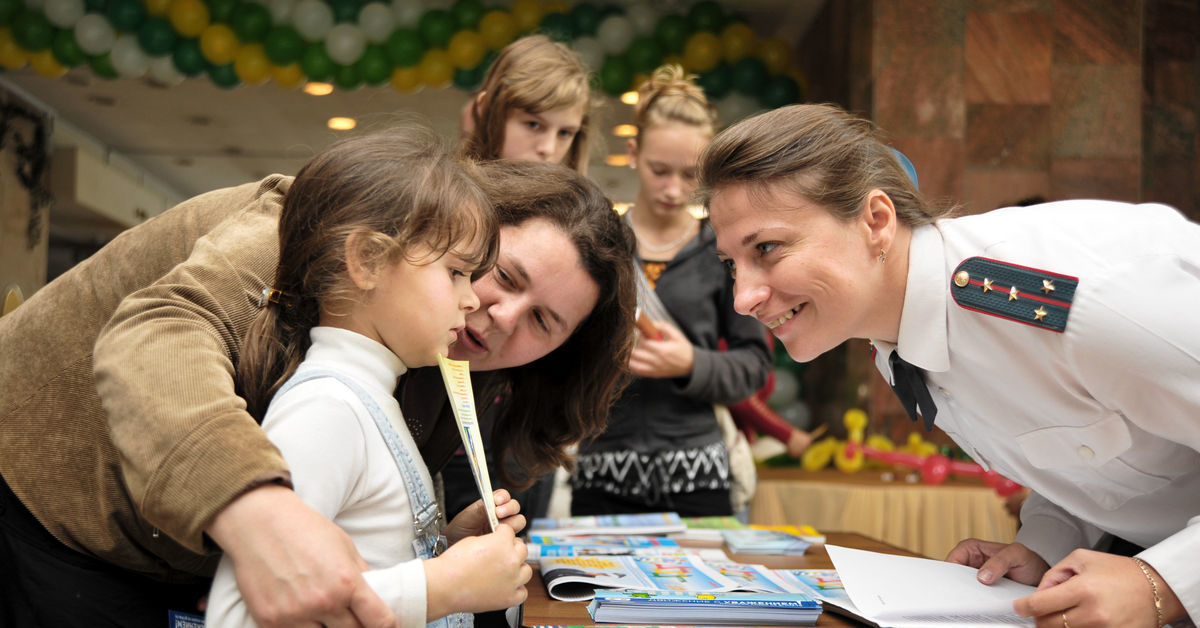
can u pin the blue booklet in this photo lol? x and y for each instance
(639, 523)
(716, 608)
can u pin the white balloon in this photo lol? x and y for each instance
(735, 107)
(408, 12)
(615, 34)
(377, 21)
(127, 57)
(590, 52)
(797, 414)
(64, 13)
(163, 71)
(345, 43)
(33, 4)
(312, 19)
(94, 34)
(281, 10)
(643, 17)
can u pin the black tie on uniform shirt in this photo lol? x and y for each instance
(910, 388)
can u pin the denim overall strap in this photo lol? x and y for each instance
(426, 523)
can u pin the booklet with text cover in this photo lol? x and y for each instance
(720, 608)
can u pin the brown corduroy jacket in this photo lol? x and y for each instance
(119, 425)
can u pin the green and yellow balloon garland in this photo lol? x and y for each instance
(402, 42)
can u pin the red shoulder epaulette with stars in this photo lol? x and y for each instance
(1017, 293)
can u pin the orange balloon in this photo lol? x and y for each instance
(46, 65)
(528, 15)
(435, 68)
(218, 44)
(702, 52)
(12, 56)
(189, 17)
(251, 64)
(406, 79)
(776, 54)
(157, 7)
(738, 41)
(497, 28)
(287, 76)
(555, 6)
(466, 49)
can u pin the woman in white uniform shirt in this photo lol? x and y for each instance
(1058, 344)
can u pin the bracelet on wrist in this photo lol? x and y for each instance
(1158, 611)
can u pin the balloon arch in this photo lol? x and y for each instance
(408, 43)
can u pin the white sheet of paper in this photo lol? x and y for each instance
(907, 592)
(456, 374)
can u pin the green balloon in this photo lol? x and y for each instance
(102, 66)
(283, 45)
(706, 15)
(374, 66)
(125, 15)
(779, 91)
(9, 10)
(188, 58)
(436, 28)
(315, 63)
(404, 48)
(66, 49)
(585, 18)
(95, 6)
(672, 32)
(717, 82)
(615, 75)
(610, 9)
(219, 11)
(32, 31)
(345, 11)
(157, 37)
(224, 76)
(467, 14)
(557, 26)
(347, 77)
(644, 55)
(750, 76)
(250, 22)
(467, 79)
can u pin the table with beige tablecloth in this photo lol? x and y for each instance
(926, 519)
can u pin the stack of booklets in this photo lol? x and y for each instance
(603, 545)
(721, 608)
(654, 523)
(754, 541)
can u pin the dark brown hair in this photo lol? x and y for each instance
(536, 74)
(817, 152)
(566, 396)
(402, 192)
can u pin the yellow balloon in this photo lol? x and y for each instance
(738, 40)
(555, 6)
(46, 65)
(466, 49)
(287, 76)
(497, 28)
(251, 64)
(528, 15)
(818, 455)
(776, 54)
(673, 60)
(218, 44)
(11, 55)
(436, 68)
(702, 52)
(189, 17)
(157, 7)
(406, 79)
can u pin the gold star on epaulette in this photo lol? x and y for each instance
(1013, 294)
(1047, 286)
(987, 284)
(1039, 313)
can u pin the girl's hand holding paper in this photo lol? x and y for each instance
(473, 520)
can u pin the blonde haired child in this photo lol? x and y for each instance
(379, 237)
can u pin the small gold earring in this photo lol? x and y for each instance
(882, 256)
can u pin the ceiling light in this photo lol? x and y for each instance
(618, 159)
(341, 124)
(625, 130)
(318, 89)
(629, 98)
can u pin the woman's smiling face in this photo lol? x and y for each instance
(799, 270)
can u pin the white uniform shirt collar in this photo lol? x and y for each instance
(922, 339)
(355, 355)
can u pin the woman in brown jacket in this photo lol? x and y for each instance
(128, 459)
